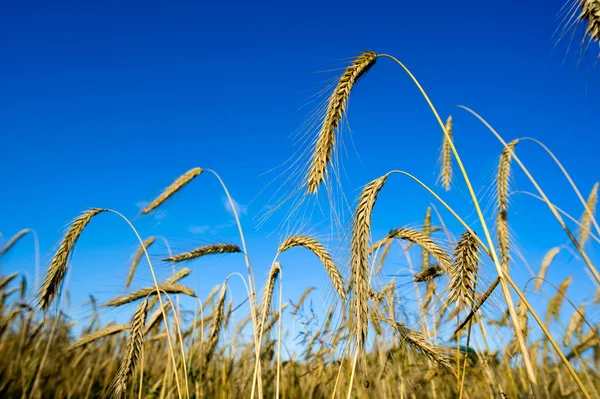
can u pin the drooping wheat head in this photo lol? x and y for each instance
(590, 14)
(96, 335)
(426, 243)
(575, 326)
(203, 251)
(177, 185)
(336, 109)
(428, 274)
(586, 219)
(136, 259)
(216, 324)
(58, 265)
(503, 184)
(268, 296)
(548, 258)
(316, 248)
(13, 241)
(147, 291)
(555, 303)
(359, 257)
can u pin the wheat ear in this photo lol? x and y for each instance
(13, 241)
(503, 183)
(426, 243)
(178, 275)
(217, 322)
(203, 251)
(464, 273)
(147, 291)
(513, 345)
(359, 256)
(134, 349)
(586, 219)
(555, 303)
(301, 300)
(177, 185)
(546, 262)
(575, 326)
(419, 343)
(428, 274)
(58, 265)
(316, 248)
(426, 231)
(590, 14)
(446, 172)
(96, 335)
(136, 259)
(336, 109)
(268, 296)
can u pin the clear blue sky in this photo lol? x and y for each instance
(104, 105)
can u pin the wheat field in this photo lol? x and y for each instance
(470, 332)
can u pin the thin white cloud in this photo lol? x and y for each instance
(240, 209)
(199, 229)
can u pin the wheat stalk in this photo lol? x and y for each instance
(96, 335)
(203, 251)
(136, 259)
(464, 274)
(426, 243)
(134, 349)
(503, 183)
(359, 256)
(316, 248)
(446, 172)
(58, 265)
(147, 291)
(548, 258)
(13, 241)
(177, 185)
(336, 109)
(586, 219)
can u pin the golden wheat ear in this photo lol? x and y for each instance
(317, 248)
(446, 157)
(359, 256)
(134, 350)
(136, 259)
(590, 15)
(336, 109)
(503, 183)
(203, 251)
(58, 265)
(168, 192)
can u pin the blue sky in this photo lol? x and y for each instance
(104, 105)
